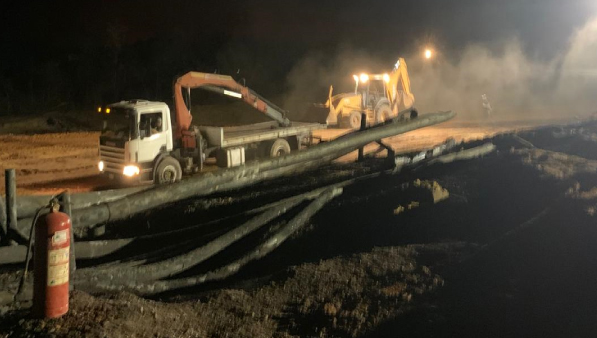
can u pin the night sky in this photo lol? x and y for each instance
(74, 53)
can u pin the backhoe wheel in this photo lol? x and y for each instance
(383, 114)
(168, 171)
(354, 120)
(279, 147)
(408, 114)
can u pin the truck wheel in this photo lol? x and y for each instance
(280, 147)
(383, 114)
(168, 171)
(354, 120)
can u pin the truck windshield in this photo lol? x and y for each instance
(119, 123)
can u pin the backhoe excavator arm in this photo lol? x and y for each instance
(399, 84)
(222, 84)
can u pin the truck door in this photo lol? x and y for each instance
(152, 134)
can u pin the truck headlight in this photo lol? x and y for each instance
(100, 165)
(130, 170)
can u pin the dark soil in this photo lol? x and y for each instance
(510, 252)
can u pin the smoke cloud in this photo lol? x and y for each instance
(518, 86)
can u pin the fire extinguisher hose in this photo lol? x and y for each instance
(24, 277)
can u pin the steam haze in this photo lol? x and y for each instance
(518, 86)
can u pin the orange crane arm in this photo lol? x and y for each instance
(223, 84)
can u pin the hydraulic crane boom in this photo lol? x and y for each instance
(399, 84)
(222, 84)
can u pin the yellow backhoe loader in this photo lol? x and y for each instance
(379, 97)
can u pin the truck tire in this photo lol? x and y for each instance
(168, 171)
(279, 147)
(383, 113)
(352, 121)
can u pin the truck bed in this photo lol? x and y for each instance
(226, 137)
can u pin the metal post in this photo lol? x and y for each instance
(390, 150)
(3, 229)
(11, 199)
(363, 127)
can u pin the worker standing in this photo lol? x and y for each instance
(486, 106)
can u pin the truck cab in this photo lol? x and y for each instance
(135, 134)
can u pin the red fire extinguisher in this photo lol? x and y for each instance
(51, 264)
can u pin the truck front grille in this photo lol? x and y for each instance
(113, 158)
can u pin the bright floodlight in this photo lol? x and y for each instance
(428, 53)
(364, 78)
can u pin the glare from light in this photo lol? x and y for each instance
(356, 78)
(107, 110)
(428, 53)
(364, 78)
(130, 170)
(99, 109)
(386, 78)
(100, 165)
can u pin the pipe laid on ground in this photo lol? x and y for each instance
(86, 218)
(268, 246)
(85, 250)
(177, 264)
(28, 205)
(247, 174)
(96, 249)
(465, 154)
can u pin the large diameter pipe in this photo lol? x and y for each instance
(153, 287)
(83, 219)
(250, 173)
(28, 205)
(85, 250)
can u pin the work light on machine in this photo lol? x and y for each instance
(364, 77)
(386, 78)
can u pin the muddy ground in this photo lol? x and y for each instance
(508, 251)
